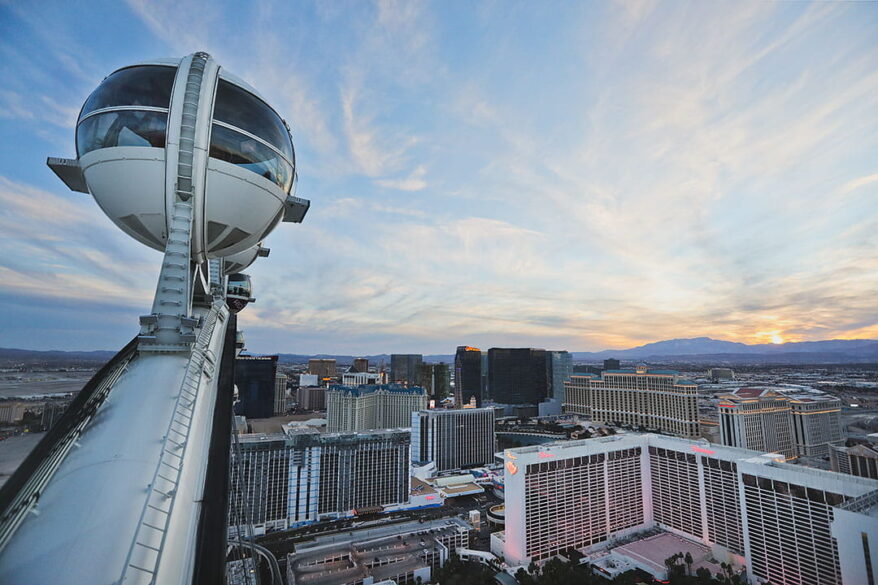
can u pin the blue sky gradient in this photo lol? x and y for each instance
(564, 175)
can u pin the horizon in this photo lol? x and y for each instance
(373, 353)
(592, 176)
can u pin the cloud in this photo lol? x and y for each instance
(65, 248)
(855, 184)
(597, 175)
(371, 158)
(414, 182)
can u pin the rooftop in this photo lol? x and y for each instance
(865, 504)
(813, 398)
(364, 389)
(644, 372)
(752, 392)
(651, 553)
(863, 451)
(380, 552)
(306, 436)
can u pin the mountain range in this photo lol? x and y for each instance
(705, 349)
(697, 350)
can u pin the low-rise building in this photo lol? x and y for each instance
(11, 411)
(402, 552)
(720, 374)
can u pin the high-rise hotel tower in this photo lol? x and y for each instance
(372, 406)
(282, 481)
(759, 419)
(657, 400)
(453, 439)
(784, 523)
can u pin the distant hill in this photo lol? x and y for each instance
(12, 354)
(696, 350)
(705, 349)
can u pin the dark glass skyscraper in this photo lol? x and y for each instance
(517, 376)
(611, 364)
(467, 375)
(560, 364)
(436, 380)
(255, 378)
(405, 368)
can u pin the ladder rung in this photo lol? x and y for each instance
(158, 509)
(149, 547)
(141, 569)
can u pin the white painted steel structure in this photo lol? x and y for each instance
(191, 161)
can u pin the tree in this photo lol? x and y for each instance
(688, 560)
(674, 569)
(524, 578)
(703, 576)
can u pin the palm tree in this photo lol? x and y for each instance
(704, 576)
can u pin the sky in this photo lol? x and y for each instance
(567, 175)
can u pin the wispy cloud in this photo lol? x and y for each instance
(414, 182)
(65, 247)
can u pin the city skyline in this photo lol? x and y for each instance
(589, 177)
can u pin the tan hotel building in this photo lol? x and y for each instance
(657, 400)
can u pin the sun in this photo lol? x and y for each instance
(774, 336)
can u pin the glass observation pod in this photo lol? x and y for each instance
(243, 165)
(239, 292)
(241, 260)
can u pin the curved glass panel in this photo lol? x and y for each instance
(146, 85)
(239, 286)
(122, 128)
(241, 150)
(244, 110)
